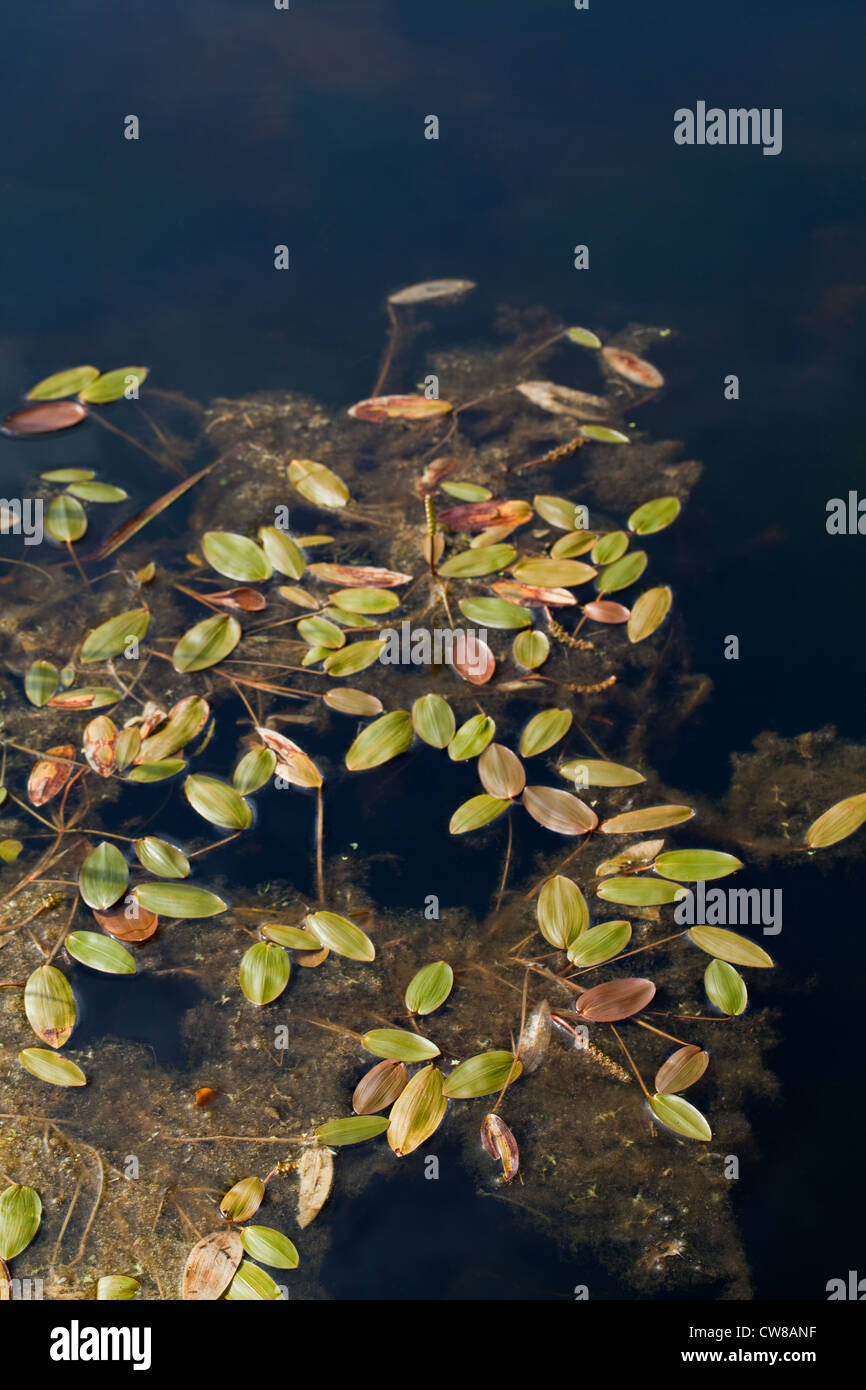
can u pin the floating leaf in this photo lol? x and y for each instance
(99, 952)
(51, 1067)
(637, 856)
(680, 1116)
(114, 1288)
(418, 1112)
(432, 289)
(622, 572)
(494, 612)
(730, 946)
(379, 1087)
(633, 368)
(482, 1075)
(429, 988)
(348, 701)
(138, 925)
(471, 738)
(485, 560)
(243, 1200)
(68, 475)
(725, 988)
(264, 972)
(399, 1045)
(379, 742)
(640, 892)
(44, 419)
(316, 1174)
(836, 824)
(574, 544)
(178, 900)
(10, 850)
(269, 1247)
(484, 516)
(433, 720)
(211, 1265)
(561, 912)
(103, 877)
(66, 383)
(40, 682)
(531, 649)
(293, 938)
(186, 719)
(597, 772)
(474, 662)
(533, 595)
(615, 999)
(207, 643)
(648, 613)
(467, 492)
(100, 745)
(354, 658)
(217, 802)
(383, 408)
(321, 633)
(156, 772)
(243, 599)
(654, 516)
(252, 1284)
(366, 600)
(97, 492)
(254, 770)
(609, 547)
(237, 557)
(682, 1069)
(111, 386)
(318, 484)
(20, 1215)
(602, 435)
(501, 772)
(600, 944)
(650, 818)
(564, 400)
(557, 511)
(690, 865)
(544, 730)
(500, 1144)
(48, 776)
(281, 552)
(161, 858)
(477, 811)
(535, 1038)
(89, 697)
(355, 1130)
(65, 519)
(559, 811)
(564, 573)
(341, 936)
(606, 611)
(360, 576)
(583, 337)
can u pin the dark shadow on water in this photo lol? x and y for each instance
(142, 1009)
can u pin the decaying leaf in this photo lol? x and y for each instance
(48, 777)
(501, 1144)
(211, 1265)
(316, 1173)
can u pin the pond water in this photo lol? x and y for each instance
(305, 128)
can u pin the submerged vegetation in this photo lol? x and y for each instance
(124, 709)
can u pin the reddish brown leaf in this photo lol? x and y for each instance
(359, 576)
(633, 368)
(604, 611)
(478, 516)
(294, 765)
(48, 777)
(501, 771)
(100, 745)
(205, 1095)
(532, 595)
(615, 999)
(500, 1143)
(139, 926)
(380, 1087)
(44, 419)
(382, 408)
(244, 599)
(475, 662)
(682, 1069)
(435, 473)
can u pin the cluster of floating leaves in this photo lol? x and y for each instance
(123, 902)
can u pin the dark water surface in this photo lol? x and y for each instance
(261, 127)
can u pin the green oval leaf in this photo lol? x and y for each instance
(600, 434)
(354, 658)
(366, 600)
(429, 988)
(485, 559)
(433, 720)
(654, 515)
(680, 1116)
(217, 802)
(97, 492)
(252, 1284)
(600, 944)
(691, 865)
(100, 952)
(236, 556)
(116, 1287)
(178, 900)
(583, 337)
(482, 1075)
(622, 572)
(730, 946)
(318, 632)
(103, 877)
(609, 547)
(467, 492)
(283, 554)
(65, 519)
(649, 818)
(207, 643)
(384, 739)
(111, 386)
(471, 738)
(354, 1130)
(318, 484)
(264, 972)
(341, 935)
(640, 891)
(67, 383)
(41, 682)
(648, 613)
(20, 1215)
(254, 770)
(838, 822)
(111, 637)
(161, 858)
(417, 1112)
(725, 988)
(51, 1067)
(399, 1045)
(597, 772)
(557, 511)
(544, 730)
(565, 574)
(156, 772)
(531, 649)
(243, 1199)
(477, 811)
(561, 912)
(269, 1247)
(494, 612)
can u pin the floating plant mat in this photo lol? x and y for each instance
(180, 796)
